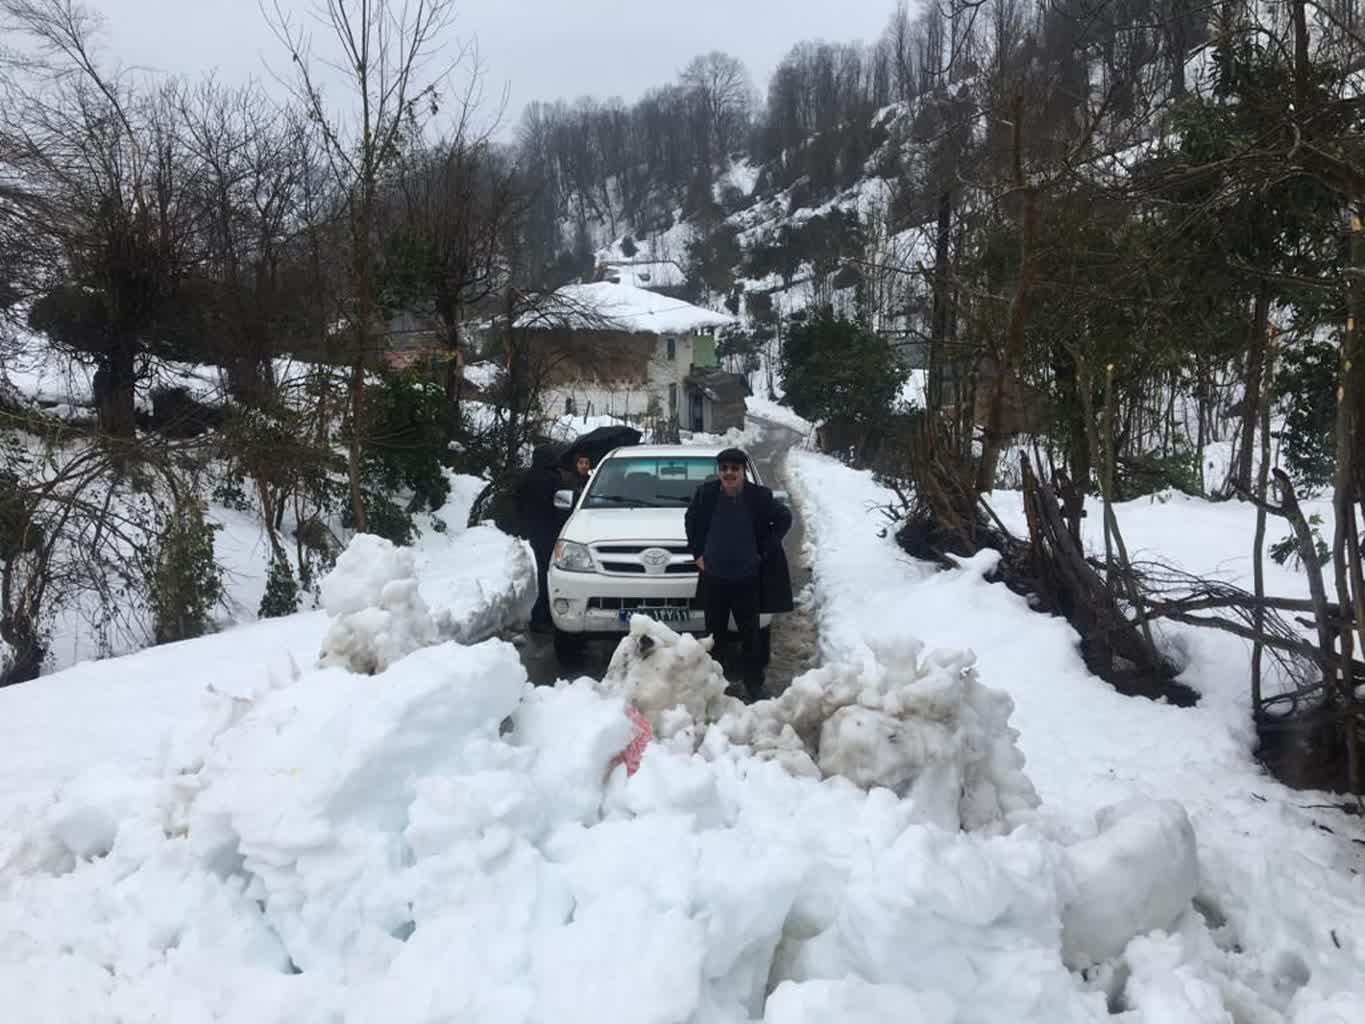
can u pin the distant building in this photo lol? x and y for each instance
(618, 350)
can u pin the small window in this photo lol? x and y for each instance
(672, 348)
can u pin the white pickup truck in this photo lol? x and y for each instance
(623, 551)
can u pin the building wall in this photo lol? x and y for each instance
(634, 394)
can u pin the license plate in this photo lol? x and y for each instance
(657, 614)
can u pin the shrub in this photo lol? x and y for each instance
(281, 590)
(184, 581)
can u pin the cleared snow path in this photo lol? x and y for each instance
(795, 647)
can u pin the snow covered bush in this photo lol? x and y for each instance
(378, 615)
(921, 726)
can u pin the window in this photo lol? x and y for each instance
(672, 344)
(569, 409)
(635, 482)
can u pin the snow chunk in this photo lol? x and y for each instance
(1165, 987)
(310, 790)
(1138, 875)
(379, 617)
(854, 1001)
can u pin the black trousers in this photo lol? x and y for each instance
(724, 598)
(544, 547)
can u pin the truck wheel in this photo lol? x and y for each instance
(569, 647)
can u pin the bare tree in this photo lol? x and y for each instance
(447, 222)
(384, 52)
(726, 94)
(106, 189)
(253, 164)
(900, 42)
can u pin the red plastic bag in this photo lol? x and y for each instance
(635, 749)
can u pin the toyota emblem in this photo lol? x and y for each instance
(655, 559)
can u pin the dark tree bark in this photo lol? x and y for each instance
(1251, 400)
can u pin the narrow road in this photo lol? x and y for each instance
(793, 636)
(794, 646)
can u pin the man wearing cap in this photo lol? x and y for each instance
(735, 531)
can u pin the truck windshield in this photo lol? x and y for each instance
(648, 482)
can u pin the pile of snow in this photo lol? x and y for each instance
(455, 844)
(482, 374)
(378, 617)
(920, 726)
(736, 437)
(768, 409)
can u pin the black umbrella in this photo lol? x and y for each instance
(595, 444)
(546, 455)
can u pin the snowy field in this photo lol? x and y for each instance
(253, 828)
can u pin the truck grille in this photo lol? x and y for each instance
(617, 603)
(635, 549)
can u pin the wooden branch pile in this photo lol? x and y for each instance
(1105, 608)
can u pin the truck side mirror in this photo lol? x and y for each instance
(783, 497)
(564, 500)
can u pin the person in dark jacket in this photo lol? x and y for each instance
(540, 523)
(582, 471)
(734, 532)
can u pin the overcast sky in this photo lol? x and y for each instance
(537, 49)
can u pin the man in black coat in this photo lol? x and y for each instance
(540, 523)
(735, 531)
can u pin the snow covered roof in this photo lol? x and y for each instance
(644, 273)
(622, 307)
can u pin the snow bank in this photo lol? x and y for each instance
(454, 844)
(379, 616)
(450, 845)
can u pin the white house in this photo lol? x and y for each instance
(623, 351)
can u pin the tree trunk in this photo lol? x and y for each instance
(29, 649)
(115, 388)
(1012, 351)
(1078, 454)
(1301, 61)
(454, 382)
(1346, 543)
(364, 294)
(993, 431)
(1258, 543)
(939, 335)
(1251, 400)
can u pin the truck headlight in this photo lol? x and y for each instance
(571, 557)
